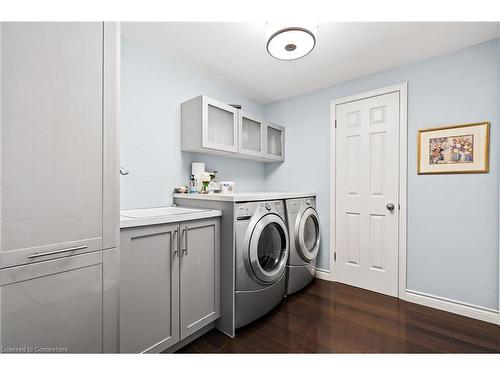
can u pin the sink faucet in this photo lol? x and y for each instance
(123, 171)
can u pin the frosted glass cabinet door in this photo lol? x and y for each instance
(251, 135)
(275, 135)
(220, 126)
(51, 149)
(53, 305)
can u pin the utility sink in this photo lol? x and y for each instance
(155, 212)
(163, 215)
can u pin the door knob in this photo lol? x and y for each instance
(390, 206)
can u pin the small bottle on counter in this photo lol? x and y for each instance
(192, 185)
(214, 187)
(211, 184)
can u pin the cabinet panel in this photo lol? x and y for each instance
(199, 275)
(110, 300)
(251, 138)
(149, 277)
(55, 304)
(51, 134)
(111, 102)
(275, 140)
(211, 127)
(220, 126)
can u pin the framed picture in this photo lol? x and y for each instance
(454, 149)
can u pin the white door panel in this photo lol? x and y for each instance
(366, 182)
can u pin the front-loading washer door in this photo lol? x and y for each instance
(268, 248)
(308, 234)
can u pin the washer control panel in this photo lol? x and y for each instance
(244, 211)
(273, 206)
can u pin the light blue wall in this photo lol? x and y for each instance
(452, 219)
(152, 88)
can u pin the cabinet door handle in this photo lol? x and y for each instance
(176, 251)
(185, 250)
(36, 255)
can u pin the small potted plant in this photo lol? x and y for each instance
(205, 180)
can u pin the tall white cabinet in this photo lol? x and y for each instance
(59, 185)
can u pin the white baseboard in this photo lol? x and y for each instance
(439, 303)
(456, 307)
(322, 274)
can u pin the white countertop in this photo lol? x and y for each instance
(246, 197)
(163, 215)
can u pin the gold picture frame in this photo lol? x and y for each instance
(454, 149)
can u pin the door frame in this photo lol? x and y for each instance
(402, 89)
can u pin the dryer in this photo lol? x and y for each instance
(304, 233)
(262, 248)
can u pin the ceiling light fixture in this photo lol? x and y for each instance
(290, 42)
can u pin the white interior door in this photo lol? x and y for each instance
(367, 178)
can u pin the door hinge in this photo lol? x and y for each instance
(335, 256)
(335, 124)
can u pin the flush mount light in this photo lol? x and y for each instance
(290, 42)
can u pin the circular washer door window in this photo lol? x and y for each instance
(268, 250)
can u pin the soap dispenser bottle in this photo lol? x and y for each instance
(192, 185)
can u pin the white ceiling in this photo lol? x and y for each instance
(235, 53)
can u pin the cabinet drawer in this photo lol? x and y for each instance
(54, 305)
(38, 254)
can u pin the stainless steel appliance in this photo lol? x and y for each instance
(262, 247)
(304, 231)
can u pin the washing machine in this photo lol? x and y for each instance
(303, 227)
(262, 247)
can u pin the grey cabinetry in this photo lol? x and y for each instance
(169, 283)
(275, 142)
(199, 275)
(251, 135)
(58, 178)
(149, 288)
(211, 127)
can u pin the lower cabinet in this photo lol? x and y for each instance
(54, 305)
(169, 283)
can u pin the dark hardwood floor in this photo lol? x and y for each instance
(335, 318)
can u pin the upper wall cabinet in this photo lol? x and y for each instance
(275, 141)
(251, 135)
(211, 127)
